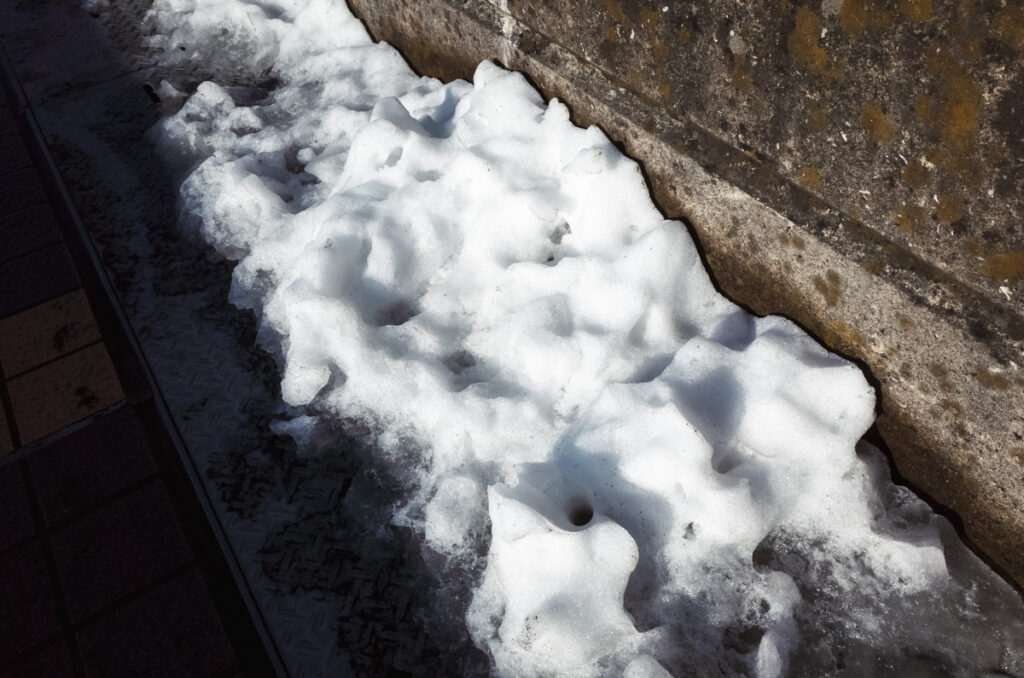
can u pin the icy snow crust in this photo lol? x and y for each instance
(648, 478)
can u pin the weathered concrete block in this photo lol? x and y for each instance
(856, 165)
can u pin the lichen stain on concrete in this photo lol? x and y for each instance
(916, 10)
(792, 241)
(915, 174)
(1017, 454)
(1008, 26)
(854, 211)
(843, 337)
(804, 47)
(970, 50)
(1004, 265)
(910, 217)
(634, 81)
(828, 287)
(993, 380)
(950, 209)
(651, 21)
(809, 177)
(852, 17)
(763, 178)
(962, 108)
(615, 10)
(741, 73)
(858, 16)
(421, 53)
(659, 48)
(972, 245)
(941, 375)
(874, 265)
(957, 118)
(923, 106)
(877, 123)
(683, 35)
(818, 118)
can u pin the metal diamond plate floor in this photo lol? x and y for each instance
(340, 591)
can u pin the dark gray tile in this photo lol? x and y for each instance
(8, 123)
(20, 189)
(29, 611)
(53, 661)
(35, 278)
(15, 510)
(172, 631)
(13, 152)
(6, 439)
(82, 469)
(27, 230)
(118, 550)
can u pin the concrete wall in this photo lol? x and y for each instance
(855, 165)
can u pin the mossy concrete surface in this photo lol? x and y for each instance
(855, 165)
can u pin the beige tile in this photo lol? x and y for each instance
(42, 333)
(6, 446)
(60, 393)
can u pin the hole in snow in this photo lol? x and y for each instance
(580, 512)
(397, 314)
(459, 362)
(151, 93)
(725, 458)
(292, 163)
(560, 232)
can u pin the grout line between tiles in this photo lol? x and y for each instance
(51, 569)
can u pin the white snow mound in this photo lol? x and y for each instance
(490, 285)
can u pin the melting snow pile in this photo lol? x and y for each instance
(651, 479)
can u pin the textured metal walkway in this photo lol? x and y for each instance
(104, 568)
(336, 589)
